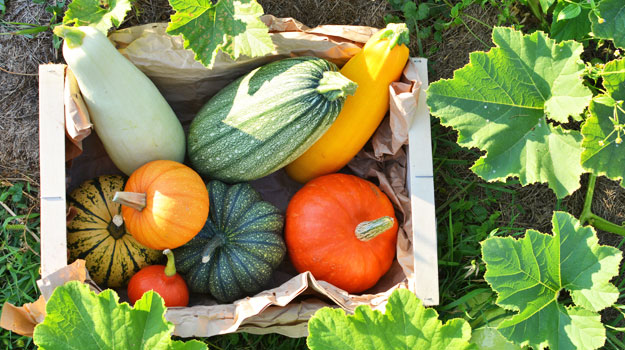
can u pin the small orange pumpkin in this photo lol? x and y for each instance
(164, 204)
(343, 230)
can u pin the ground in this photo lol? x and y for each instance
(520, 208)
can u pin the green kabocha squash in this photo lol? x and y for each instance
(238, 249)
(98, 235)
(266, 119)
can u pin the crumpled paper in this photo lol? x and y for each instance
(291, 298)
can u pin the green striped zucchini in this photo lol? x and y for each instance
(98, 235)
(266, 119)
(236, 252)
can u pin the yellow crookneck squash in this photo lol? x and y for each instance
(98, 234)
(380, 62)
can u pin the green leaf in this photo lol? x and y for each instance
(604, 100)
(499, 103)
(77, 318)
(530, 273)
(611, 22)
(546, 4)
(614, 79)
(604, 129)
(489, 338)
(577, 28)
(101, 14)
(3, 8)
(424, 11)
(569, 11)
(406, 324)
(232, 26)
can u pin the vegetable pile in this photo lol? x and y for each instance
(221, 239)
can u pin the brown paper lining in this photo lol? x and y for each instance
(186, 84)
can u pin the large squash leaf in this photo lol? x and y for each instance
(77, 318)
(501, 102)
(604, 130)
(232, 26)
(612, 21)
(406, 324)
(101, 14)
(530, 273)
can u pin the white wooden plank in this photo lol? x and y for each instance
(52, 168)
(420, 136)
(421, 189)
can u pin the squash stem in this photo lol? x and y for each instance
(368, 230)
(170, 268)
(116, 227)
(396, 33)
(73, 36)
(215, 243)
(135, 200)
(334, 85)
(587, 216)
(118, 220)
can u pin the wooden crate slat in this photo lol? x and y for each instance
(52, 168)
(421, 189)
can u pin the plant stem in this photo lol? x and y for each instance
(368, 230)
(586, 212)
(593, 219)
(134, 200)
(170, 268)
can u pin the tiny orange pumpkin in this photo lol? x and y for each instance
(164, 204)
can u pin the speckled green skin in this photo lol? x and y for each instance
(248, 232)
(263, 120)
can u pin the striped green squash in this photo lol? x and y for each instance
(266, 119)
(238, 249)
(98, 235)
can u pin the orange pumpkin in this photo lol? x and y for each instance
(164, 204)
(342, 229)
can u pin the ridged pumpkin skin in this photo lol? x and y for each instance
(242, 241)
(176, 207)
(380, 62)
(265, 119)
(112, 255)
(321, 220)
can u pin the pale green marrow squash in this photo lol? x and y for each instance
(129, 114)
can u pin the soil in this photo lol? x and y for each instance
(20, 57)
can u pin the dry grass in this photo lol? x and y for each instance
(19, 60)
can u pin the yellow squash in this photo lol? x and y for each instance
(380, 62)
(98, 234)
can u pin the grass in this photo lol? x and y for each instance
(19, 259)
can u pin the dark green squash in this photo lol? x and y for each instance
(238, 249)
(266, 119)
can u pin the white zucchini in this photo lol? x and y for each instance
(129, 114)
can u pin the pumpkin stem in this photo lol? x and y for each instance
(334, 85)
(134, 200)
(368, 230)
(215, 243)
(170, 268)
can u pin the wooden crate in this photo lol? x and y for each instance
(53, 183)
